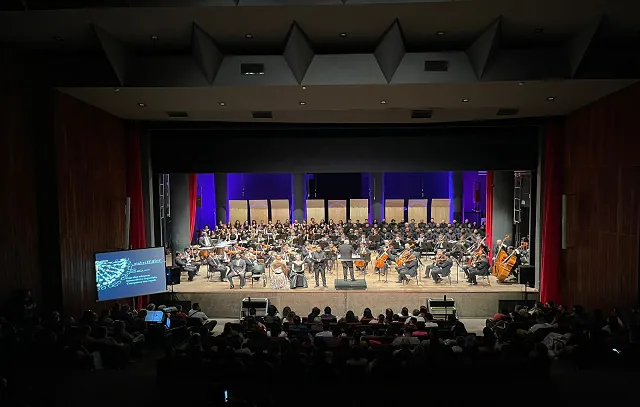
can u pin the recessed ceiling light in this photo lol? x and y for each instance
(439, 32)
(142, 104)
(248, 36)
(465, 100)
(520, 83)
(538, 31)
(383, 102)
(116, 89)
(222, 104)
(302, 103)
(304, 88)
(343, 35)
(551, 98)
(154, 38)
(58, 38)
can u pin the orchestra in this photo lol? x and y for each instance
(289, 250)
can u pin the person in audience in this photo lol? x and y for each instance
(326, 331)
(350, 317)
(367, 315)
(275, 330)
(327, 314)
(314, 316)
(196, 312)
(272, 314)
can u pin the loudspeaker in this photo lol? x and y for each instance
(528, 276)
(476, 192)
(350, 285)
(173, 275)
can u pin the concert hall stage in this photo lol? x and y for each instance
(217, 300)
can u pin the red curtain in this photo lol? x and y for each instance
(193, 196)
(137, 231)
(551, 213)
(489, 214)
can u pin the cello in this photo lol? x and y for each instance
(382, 259)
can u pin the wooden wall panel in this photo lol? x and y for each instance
(91, 174)
(238, 210)
(315, 209)
(280, 210)
(18, 182)
(601, 170)
(359, 210)
(259, 210)
(441, 210)
(394, 209)
(337, 210)
(417, 209)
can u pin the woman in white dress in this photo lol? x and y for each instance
(297, 277)
(279, 280)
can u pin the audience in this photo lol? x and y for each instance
(395, 348)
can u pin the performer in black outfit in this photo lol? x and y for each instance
(347, 252)
(319, 264)
(186, 265)
(480, 268)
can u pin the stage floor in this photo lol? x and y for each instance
(374, 283)
(480, 301)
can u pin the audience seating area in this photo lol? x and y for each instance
(373, 359)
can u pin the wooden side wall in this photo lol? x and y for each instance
(601, 165)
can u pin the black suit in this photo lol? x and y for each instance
(189, 268)
(410, 268)
(481, 268)
(319, 263)
(444, 270)
(347, 252)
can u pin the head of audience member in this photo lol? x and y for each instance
(350, 317)
(404, 312)
(367, 314)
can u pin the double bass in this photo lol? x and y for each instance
(504, 263)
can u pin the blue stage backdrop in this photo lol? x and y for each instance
(205, 212)
(259, 186)
(469, 180)
(416, 185)
(130, 273)
(397, 185)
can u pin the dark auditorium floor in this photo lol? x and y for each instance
(136, 386)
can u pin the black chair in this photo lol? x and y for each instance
(257, 273)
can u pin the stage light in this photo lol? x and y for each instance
(248, 36)
(154, 38)
(142, 104)
(439, 32)
(223, 104)
(304, 88)
(343, 35)
(551, 98)
(465, 100)
(383, 102)
(116, 89)
(302, 103)
(520, 83)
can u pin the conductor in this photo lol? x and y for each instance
(346, 254)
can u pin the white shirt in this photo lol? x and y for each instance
(325, 334)
(198, 314)
(428, 324)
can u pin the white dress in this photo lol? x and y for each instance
(278, 279)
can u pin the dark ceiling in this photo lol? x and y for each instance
(362, 61)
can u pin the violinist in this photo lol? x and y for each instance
(409, 268)
(437, 262)
(443, 268)
(479, 268)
